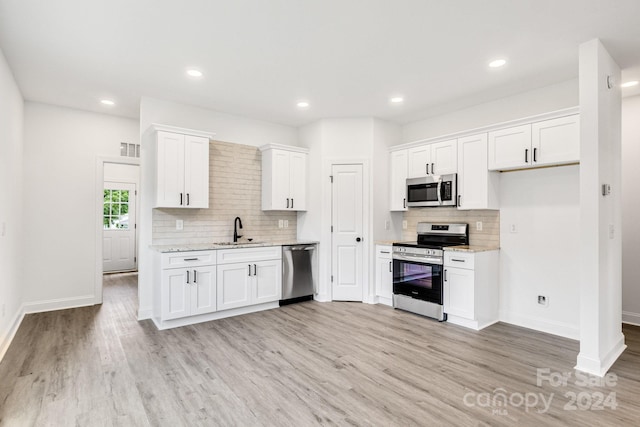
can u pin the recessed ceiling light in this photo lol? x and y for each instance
(630, 84)
(302, 104)
(192, 72)
(397, 99)
(497, 63)
(108, 102)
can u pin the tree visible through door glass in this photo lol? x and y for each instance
(115, 212)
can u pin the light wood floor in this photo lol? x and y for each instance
(304, 364)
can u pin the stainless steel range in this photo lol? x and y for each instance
(417, 268)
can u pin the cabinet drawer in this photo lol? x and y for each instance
(227, 256)
(383, 251)
(459, 259)
(188, 259)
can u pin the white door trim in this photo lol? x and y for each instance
(99, 200)
(366, 226)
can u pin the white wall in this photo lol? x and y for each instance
(601, 338)
(543, 100)
(227, 127)
(11, 191)
(61, 150)
(541, 258)
(630, 210)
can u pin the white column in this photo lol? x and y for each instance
(601, 338)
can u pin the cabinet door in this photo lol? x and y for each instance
(444, 157)
(419, 160)
(196, 172)
(473, 175)
(203, 289)
(170, 170)
(280, 180)
(298, 181)
(459, 298)
(267, 281)
(174, 294)
(510, 148)
(556, 141)
(398, 184)
(384, 277)
(233, 285)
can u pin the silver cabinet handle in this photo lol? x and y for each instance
(459, 200)
(180, 199)
(445, 275)
(255, 270)
(195, 276)
(385, 252)
(390, 264)
(535, 155)
(457, 260)
(292, 203)
(187, 199)
(249, 269)
(433, 168)
(404, 202)
(187, 276)
(526, 155)
(191, 259)
(287, 203)
(427, 166)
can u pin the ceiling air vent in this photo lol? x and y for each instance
(129, 150)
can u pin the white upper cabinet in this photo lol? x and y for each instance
(477, 186)
(182, 170)
(556, 141)
(398, 187)
(544, 143)
(510, 148)
(433, 159)
(284, 178)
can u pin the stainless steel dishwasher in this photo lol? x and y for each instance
(299, 267)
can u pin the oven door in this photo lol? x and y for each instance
(417, 279)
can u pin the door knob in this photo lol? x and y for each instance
(358, 239)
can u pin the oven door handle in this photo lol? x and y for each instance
(440, 191)
(418, 259)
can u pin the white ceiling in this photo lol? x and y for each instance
(346, 57)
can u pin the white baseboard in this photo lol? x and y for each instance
(600, 366)
(542, 325)
(58, 304)
(631, 318)
(6, 340)
(321, 298)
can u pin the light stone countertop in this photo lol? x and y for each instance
(471, 248)
(386, 242)
(214, 246)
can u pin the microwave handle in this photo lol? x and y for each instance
(439, 191)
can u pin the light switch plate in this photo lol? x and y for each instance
(478, 225)
(286, 223)
(280, 223)
(404, 224)
(179, 224)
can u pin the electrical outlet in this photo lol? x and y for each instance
(478, 225)
(179, 224)
(280, 223)
(543, 300)
(286, 223)
(404, 224)
(513, 228)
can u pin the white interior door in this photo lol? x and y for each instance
(119, 230)
(347, 247)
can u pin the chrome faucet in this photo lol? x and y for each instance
(236, 222)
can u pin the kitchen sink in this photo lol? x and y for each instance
(237, 243)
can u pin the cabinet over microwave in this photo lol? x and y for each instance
(432, 191)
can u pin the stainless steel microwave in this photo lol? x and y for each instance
(432, 191)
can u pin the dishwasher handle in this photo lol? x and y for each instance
(298, 248)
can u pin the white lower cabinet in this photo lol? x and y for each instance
(384, 275)
(187, 291)
(471, 288)
(199, 286)
(255, 280)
